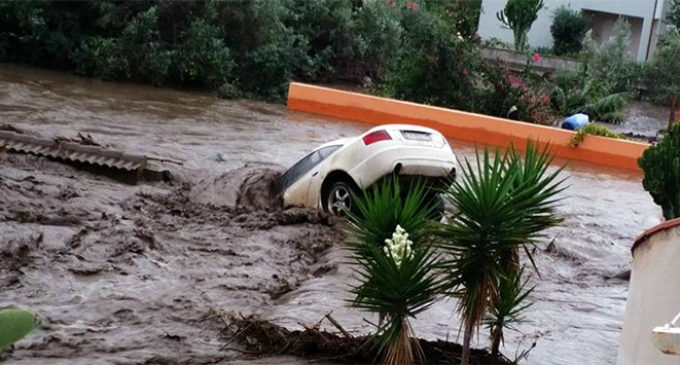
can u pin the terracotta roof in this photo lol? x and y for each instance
(658, 228)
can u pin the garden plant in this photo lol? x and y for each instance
(661, 165)
(519, 15)
(396, 264)
(504, 203)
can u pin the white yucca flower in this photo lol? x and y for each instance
(399, 246)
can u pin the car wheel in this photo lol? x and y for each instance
(338, 199)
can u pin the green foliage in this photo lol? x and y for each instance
(461, 15)
(592, 129)
(381, 209)
(612, 61)
(519, 15)
(398, 289)
(377, 41)
(508, 309)
(663, 73)
(578, 92)
(499, 90)
(504, 203)
(673, 14)
(15, 324)
(568, 29)
(436, 66)
(661, 164)
(204, 59)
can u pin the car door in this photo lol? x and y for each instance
(295, 181)
(318, 174)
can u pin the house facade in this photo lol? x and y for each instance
(644, 16)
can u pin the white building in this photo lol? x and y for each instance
(644, 16)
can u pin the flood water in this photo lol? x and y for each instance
(106, 299)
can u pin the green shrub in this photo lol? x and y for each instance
(461, 15)
(503, 204)
(612, 61)
(203, 58)
(327, 26)
(435, 66)
(661, 165)
(578, 92)
(568, 29)
(673, 14)
(592, 129)
(663, 73)
(395, 263)
(377, 40)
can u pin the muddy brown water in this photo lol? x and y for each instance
(126, 274)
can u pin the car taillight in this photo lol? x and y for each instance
(376, 136)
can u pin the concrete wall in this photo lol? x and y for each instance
(653, 294)
(539, 36)
(463, 125)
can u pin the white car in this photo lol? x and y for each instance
(327, 176)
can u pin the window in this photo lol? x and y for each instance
(305, 164)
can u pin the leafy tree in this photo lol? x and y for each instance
(435, 66)
(378, 40)
(519, 15)
(503, 204)
(663, 74)
(661, 164)
(568, 29)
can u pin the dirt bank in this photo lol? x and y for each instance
(122, 274)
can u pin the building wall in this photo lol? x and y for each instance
(653, 296)
(539, 35)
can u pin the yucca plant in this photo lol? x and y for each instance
(395, 265)
(504, 203)
(15, 324)
(508, 309)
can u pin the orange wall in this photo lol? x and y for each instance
(461, 125)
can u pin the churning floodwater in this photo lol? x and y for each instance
(121, 274)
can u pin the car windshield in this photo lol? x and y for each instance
(305, 164)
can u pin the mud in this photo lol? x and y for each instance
(123, 273)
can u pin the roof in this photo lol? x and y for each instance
(658, 228)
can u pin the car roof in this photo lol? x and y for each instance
(344, 141)
(337, 142)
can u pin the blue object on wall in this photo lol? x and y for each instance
(576, 121)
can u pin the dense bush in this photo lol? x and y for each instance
(568, 29)
(435, 66)
(661, 164)
(663, 73)
(673, 14)
(612, 61)
(578, 92)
